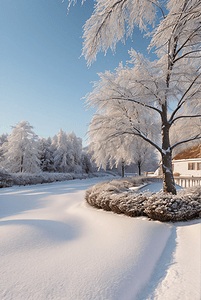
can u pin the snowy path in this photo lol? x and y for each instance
(54, 246)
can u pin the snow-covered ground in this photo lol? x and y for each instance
(55, 246)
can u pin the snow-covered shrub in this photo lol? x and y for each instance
(183, 206)
(102, 192)
(43, 177)
(115, 196)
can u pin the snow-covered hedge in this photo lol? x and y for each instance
(115, 196)
(26, 178)
(8, 179)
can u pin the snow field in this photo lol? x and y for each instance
(54, 245)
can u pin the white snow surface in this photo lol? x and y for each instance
(155, 187)
(53, 245)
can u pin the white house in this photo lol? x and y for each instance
(188, 162)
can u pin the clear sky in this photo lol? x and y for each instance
(42, 77)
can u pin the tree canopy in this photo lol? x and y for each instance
(173, 80)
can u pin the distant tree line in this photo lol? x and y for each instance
(23, 151)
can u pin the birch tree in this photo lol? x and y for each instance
(173, 77)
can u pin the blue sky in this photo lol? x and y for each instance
(42, 77)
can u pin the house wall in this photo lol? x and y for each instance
(181, 167)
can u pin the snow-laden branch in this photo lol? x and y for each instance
(181, 117)
(146, 87)
(137, 133)
(182, 100)
(197, 137)
(138, 102)
(187, 40)
(125, 97)
(188, 53)
(160, 8)
(107, 25)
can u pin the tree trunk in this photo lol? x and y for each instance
(139, 168)
(168, 179)
(122, 169)
(21, 168)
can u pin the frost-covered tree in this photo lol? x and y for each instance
(3, 141)
(21, 150)
(76, 144)
(68, 152)
(54, 142)
(46, 155)
(110, 153)
(154, 86)
(63, 155)
(87, 164)
(143, 154)
(114, 148)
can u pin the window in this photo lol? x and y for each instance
(191, 166)
(198, 166)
